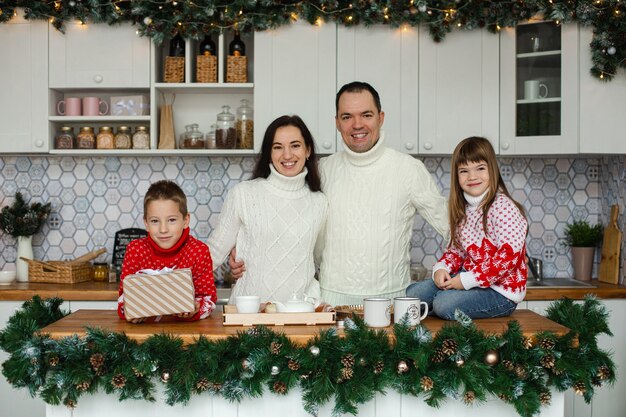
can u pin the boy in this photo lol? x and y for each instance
(169, 245)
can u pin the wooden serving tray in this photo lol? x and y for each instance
(233, 318)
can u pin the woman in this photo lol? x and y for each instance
(274, 219)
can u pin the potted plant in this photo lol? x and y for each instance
(583, 238)
(22, 220)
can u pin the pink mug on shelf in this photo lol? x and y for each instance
(69, 107)
(93, 106)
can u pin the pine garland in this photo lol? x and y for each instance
(348, 370)
(161, 19)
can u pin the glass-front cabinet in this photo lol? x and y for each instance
(539, 91)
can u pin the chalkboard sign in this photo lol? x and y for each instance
(122, 239)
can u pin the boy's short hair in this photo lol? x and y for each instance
(165, 190)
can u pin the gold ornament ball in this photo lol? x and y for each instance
(611, 50)
(275, 370)
(165, 377)
(245, 364)
(460, 362)
(492, 357)
(402, 367)
(315, 351)
(147, 20)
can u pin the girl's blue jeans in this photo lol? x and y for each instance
(477, 303)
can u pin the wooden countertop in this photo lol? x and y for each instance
(213, 329)
(98, 291)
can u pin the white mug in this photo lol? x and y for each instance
(377, 312)
(247, 303)
(534, 89)
(409, 306)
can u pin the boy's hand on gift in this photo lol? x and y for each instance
(453, 283)
(441, 277)
(236, 267)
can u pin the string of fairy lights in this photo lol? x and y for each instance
(162, 19)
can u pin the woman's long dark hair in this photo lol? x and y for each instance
(262, 168)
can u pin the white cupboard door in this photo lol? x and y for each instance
(515, 70)
(602, 104)
(386, 58)
(294, 73)
(99, 56)
(458, 90)
(24, 86)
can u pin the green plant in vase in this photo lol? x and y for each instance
(582, 238)
(22, 220)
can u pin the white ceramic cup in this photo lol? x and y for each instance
(247, 303)
(412, 307)
(377, 312)
(534, 89)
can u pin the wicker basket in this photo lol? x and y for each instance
(237, 69)
(58, 272)
(206, 69)
(174, 69)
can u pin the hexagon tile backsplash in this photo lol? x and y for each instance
(93, 197)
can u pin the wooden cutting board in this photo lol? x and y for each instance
(609, 263)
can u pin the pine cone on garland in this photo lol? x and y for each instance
(507, 364)
(527, 343)
(346, 373)
(71, 404)
(280, 387)
(449, 347)
(604, 372)
(469, 397)
(547, 344)
(138, 373)
(378, 367)
(216, 386)
(520, 371)
(347, 361)
(83, 386)
(595, 381)
(426, 383)
(547, 361)
(293, 365)
(118, 381)
(202, 385)
(545, 398)
(275, 348)
(96, 360)
(439, 356)
(579, 388)
(504, 397)
(53, 361)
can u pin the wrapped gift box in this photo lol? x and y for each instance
(147, 295)
(138, 105)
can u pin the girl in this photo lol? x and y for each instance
(483, 271)
(275, 218)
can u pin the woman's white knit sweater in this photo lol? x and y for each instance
(274, 224)
(373, 197)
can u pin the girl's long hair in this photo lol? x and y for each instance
(473, 149)
(262, 168)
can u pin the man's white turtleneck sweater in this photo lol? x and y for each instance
(274, 224)
(373, 197)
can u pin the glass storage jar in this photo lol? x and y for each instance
(105, 138)
(123, 138)
(64, 139)
(192, 138)
(244, 126)
(86, 138)
(210, 138)
(100, 272)
(141, 138)
(225, 133)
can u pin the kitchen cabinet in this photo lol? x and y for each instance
(96, 56)
(387, 58)
(295, 73)
(539, 89)
(458, 90)
(199, 103)
(24, 83)
(602, 122)
(21, 403)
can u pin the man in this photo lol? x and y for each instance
(373, 193)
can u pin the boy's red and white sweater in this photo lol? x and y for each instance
(188, 252)
(496, 260)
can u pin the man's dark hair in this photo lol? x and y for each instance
(357, 87)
